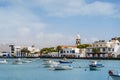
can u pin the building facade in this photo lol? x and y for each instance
(115, 46)
(98, 49)
(116, 38)
(33, 51)
(11, 50)
(69, 52)
(102, 49)
(5, 50)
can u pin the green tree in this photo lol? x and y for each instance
(25, 51)
(81, 46)
(47, 50)
(58, 49)
(95, 51)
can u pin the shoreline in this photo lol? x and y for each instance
(67, 58)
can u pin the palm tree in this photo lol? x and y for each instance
(83, 46)
(25, 51)
(58, 49)
(95, 51)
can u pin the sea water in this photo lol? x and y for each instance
(37, 71)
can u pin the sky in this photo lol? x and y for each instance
(46, 23)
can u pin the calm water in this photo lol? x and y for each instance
(36, 71)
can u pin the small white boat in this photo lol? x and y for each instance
(50, 62)
(18, 61)
(3, 62)
(59, 67)
(49, 66)
(114, 75)
(27, 61)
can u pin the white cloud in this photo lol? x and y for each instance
(18, 23)
(99, 8)
(21, 26)
(17, 18)
(64, 8)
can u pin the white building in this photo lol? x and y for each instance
(13, 50)
(99, 49)
(53, 54)
(69, 52)
(105, 49)
(83, 52)
(17, 51)
(33, 50)
(115, 46)
(5, 50)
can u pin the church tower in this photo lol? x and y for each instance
(78, 40)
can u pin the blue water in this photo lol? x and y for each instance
(36, 71)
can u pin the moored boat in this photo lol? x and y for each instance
(50, 63)
(114, 75)
(94, 65)
(59, 67)
(63, 61)
(18, 61)
(3, 62)
(27, 61)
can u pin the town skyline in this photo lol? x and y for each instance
(50, 23)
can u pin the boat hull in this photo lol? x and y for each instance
(62, 68)
(51, 63)
(17, 63)
(115, 77)
(65, 61)
(95, 67)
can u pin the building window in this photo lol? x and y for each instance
(103, 49)
(73, 51)
(118, 44)
(88, 54)
(98, 49)
(64, 51)
(61, 51)
(67, 51)
(113, 49)
(109, 49)
(89, 50)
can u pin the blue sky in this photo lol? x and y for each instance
(47, 23)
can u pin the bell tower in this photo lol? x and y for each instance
(78, 40)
